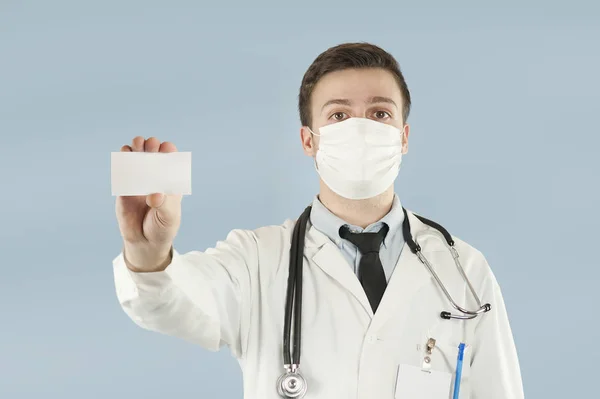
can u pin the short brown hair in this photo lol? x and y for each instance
(349, 56)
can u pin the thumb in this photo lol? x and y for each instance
(169, 206)
(155, 200)
(167, 209)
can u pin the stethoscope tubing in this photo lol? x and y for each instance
(294, 295)
(416, 249)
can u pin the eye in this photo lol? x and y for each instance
(382, 115)
(338, 116)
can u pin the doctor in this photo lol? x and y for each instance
(370, 317)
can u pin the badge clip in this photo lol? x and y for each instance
(428, 351)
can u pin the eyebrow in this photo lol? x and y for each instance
(372, 100)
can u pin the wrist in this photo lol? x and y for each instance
(147, 261)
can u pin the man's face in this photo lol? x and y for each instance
(355, 93)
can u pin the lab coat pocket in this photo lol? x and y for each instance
(435, 375)
(415, 383)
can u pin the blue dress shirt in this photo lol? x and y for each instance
(329, 224)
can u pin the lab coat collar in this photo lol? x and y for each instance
(408, 277)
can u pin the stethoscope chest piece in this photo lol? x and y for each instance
(291, 385)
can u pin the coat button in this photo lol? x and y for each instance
(372, 338)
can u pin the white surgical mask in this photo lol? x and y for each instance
(359, 158)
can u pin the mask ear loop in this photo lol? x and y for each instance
(315, 158)
(313, 133)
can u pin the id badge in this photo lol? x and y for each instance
(414, 383)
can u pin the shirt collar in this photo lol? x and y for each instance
(329, 224)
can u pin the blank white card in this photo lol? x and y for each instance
(144, 173)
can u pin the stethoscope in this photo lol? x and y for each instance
(291, 384)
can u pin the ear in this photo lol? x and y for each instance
(405, 134)
(309, 143)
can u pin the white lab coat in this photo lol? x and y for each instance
(234, 295)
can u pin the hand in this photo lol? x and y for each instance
(150, 223)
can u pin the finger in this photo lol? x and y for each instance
(167, 147)
(126, 148)
(151, 145)
(138, 144)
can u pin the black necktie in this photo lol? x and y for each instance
(370, 269)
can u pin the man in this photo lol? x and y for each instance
(371, 325)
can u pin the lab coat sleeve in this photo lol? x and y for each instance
(495, 369)
(201, 297)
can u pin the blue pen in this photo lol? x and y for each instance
(459, 363)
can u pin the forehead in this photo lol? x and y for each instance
(356, 84)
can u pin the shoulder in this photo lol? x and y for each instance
(269, 235)
(467, 248)
(272, 246)
(471, 258)
(268, 244)
(474, 263)
(272, 236)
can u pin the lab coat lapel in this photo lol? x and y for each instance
(327, 256)
(408, 277)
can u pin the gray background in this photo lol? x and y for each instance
(503, 152)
